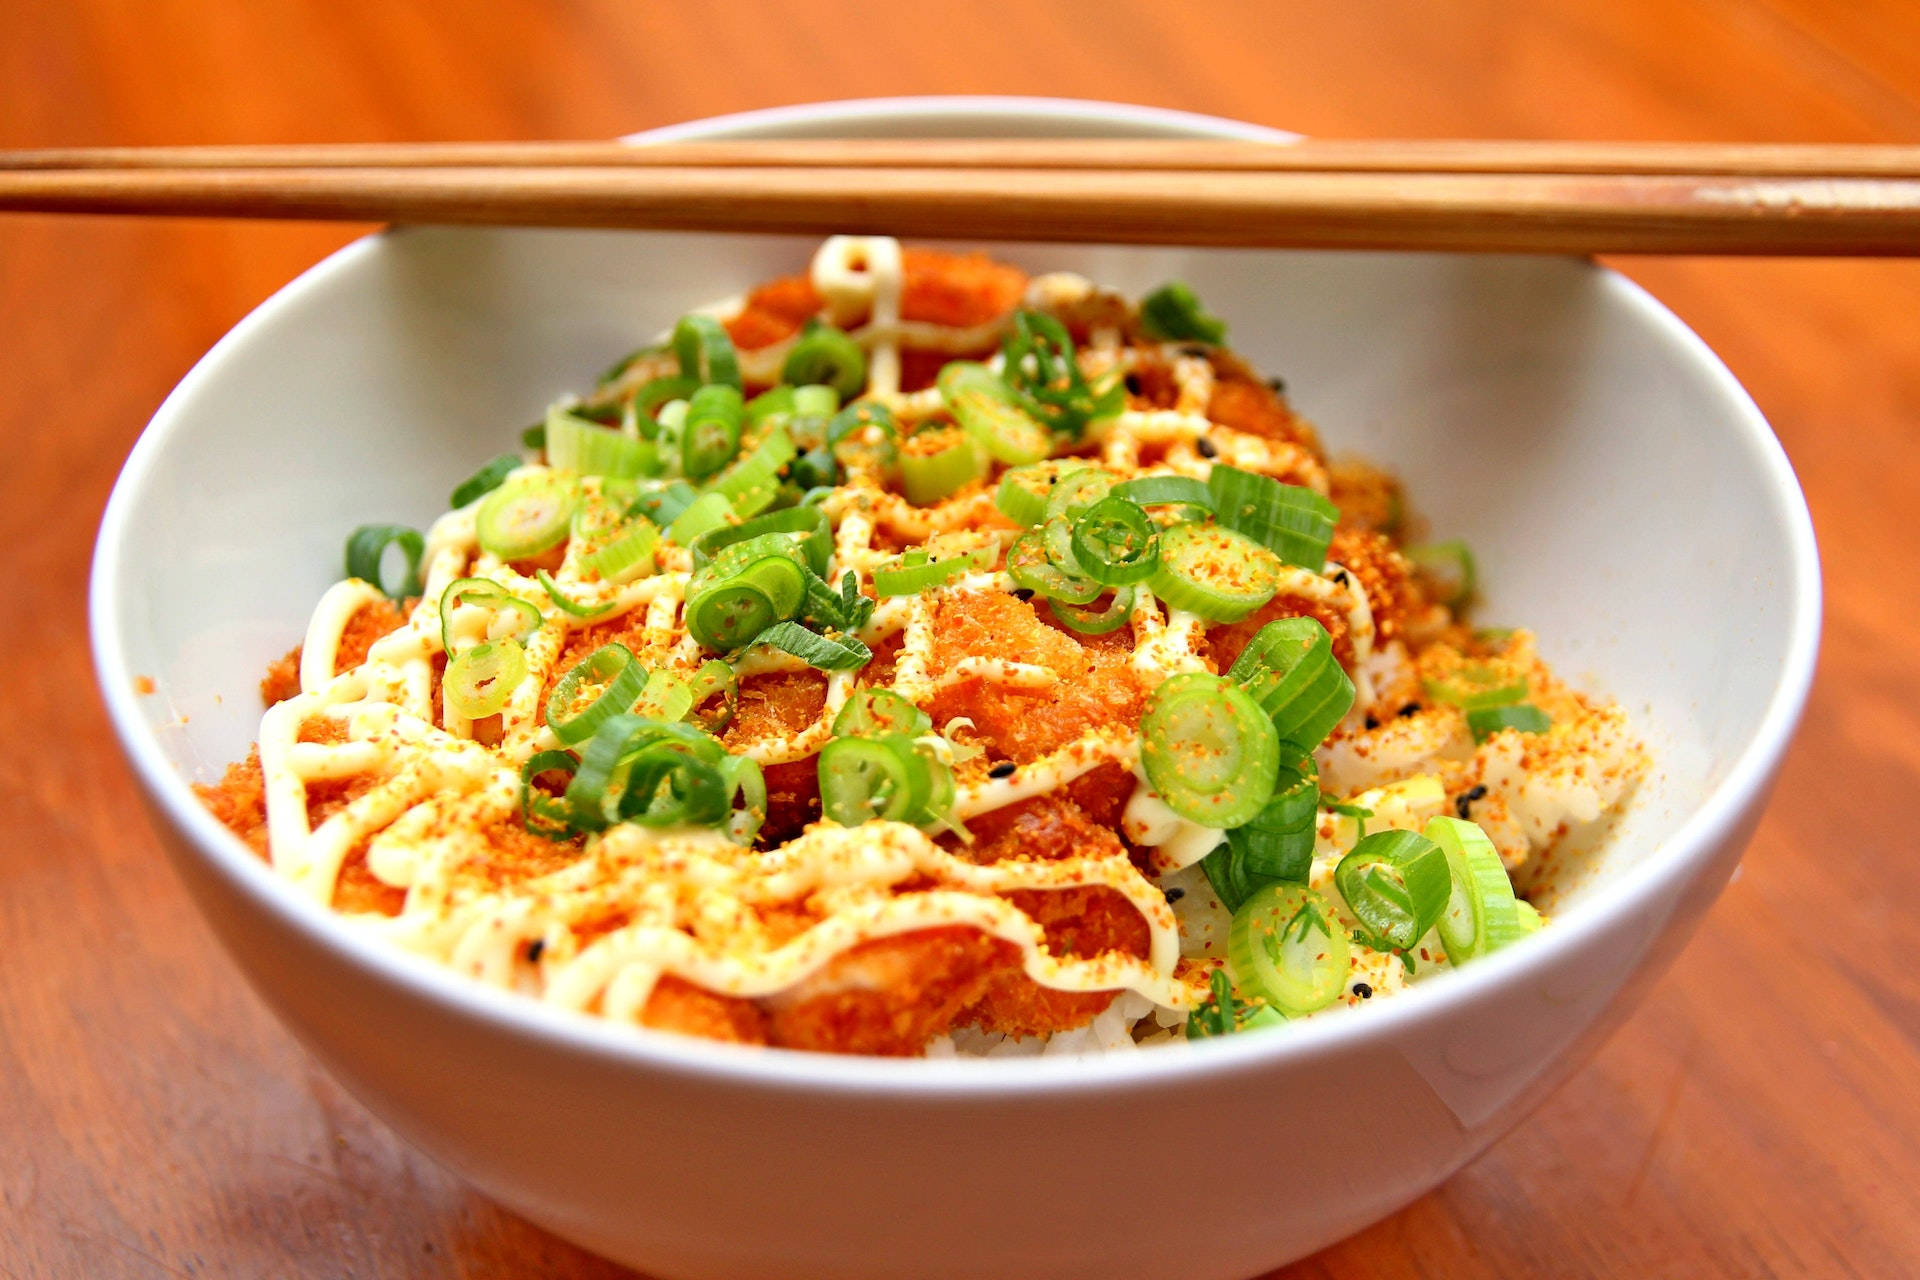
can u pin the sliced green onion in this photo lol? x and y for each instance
(664, 501)
(479, 681)
(601, 685)
(1214, 572)
(666, 697)
(870, 712)
(525, 516)
(1115, 543)
(986, 407)
(1480, 915)
(542, 814)
(1041, 369)
(1209, 750)
(827, 653)
(808, 526)
(708, 511)
(1023, 492)
(1031, 566)
(535, 436)
(937, 462)
(1079, 489)
(1172, 313)
(1530, 921)
(729, 616)
(705, 351)
(1221, 1014)
(824, 354)
(485, 480)
(1397, 883)
(574, 444)
(1095, 622)
(1291, 520)
(714, 679)
(866, 779)
(1289, 669)
(817, 402)
(1286, 946)
(626, 556)
(751, 484)
(487, 594)
(1448, 570)
(1165, 491)
(1277, 843)
(915, 571)
(652, 772)
(1479, 686)
(858, 416)
(367, 549)
(774, 403)
(1523, 716)
(565, 603)
(710, 433)
(1226, 872)
(618, 369)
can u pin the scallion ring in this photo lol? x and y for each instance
(486, 594)
(1208, 750)
(605, 683)
(478, 681)
(367, 551)
(1030, 566)
(987, 408)
(824, 354)
(1115, 543)
(1286, 946)
(1095, 622)
(937, 462)
(867, 779)
(485, 480)
(1214, 572)
(714, 679)
(870, 712)
(1523, 717)
(1291, 520)
(710, 434)
(525, 516)
(1397, 883)
(543, 814)
(567, 604)
(705, 351)
(1289, 669)
(1480, 915)
(1173, 313)
(1023, 492)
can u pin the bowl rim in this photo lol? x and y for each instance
(1636, 890)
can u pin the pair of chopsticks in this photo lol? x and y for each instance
(1545, 197)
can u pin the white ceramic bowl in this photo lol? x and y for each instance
(1625, 498)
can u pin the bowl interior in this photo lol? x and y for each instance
(1622, 495)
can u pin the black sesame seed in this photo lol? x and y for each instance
(1134, 385)
(1372, 723)
(1005, 769)
(535, 949)
(1194, 349)
(1277, 385)
(1362, 990)
(1174, 895)
(1340, 576)
(1464, 804)
(1412, 708)
(1023, 593)
(1206, 447)
(1479, 791)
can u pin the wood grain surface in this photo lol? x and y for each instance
(1760, 1114)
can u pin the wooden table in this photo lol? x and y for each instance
(1760, 1115)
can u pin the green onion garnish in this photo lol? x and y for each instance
(844, 610)
(1479, 686)
(1031, 565)
(710, 433)
(625, 554)
(827, 653)
(1115, 543)
(1286, 947)
(663, 773)
(1208, 750)
(807, 525)
(618, 369)
(1221, 575)
(705, 351)
(752, 483)
(1023, 492)
(1448, 570)
(1166, 491)
(1398, 883)
(714, 679)
(1289, 669)
(1277, 842)
(1523, 716)
(871, 712)
(1172, 313)
(937, 462)
(574, 444)
(1221, 1013)
(915, 571)
(367, 549)
(858, 416)
(485, 480)
(564, 602)
(604, 683)
(1291, 520)
(542, 814)
(1046, 378)
(487, 594)
(479, 681)
(1095, 622)
(826, 355)
(526, 516)
(1480, 915)
(880, 777)
(708, 511)
(988, 409)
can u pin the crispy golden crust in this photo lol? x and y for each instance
(679, 1006)
(889, 996)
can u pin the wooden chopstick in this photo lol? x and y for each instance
(1306, 155)
(1628, 198)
